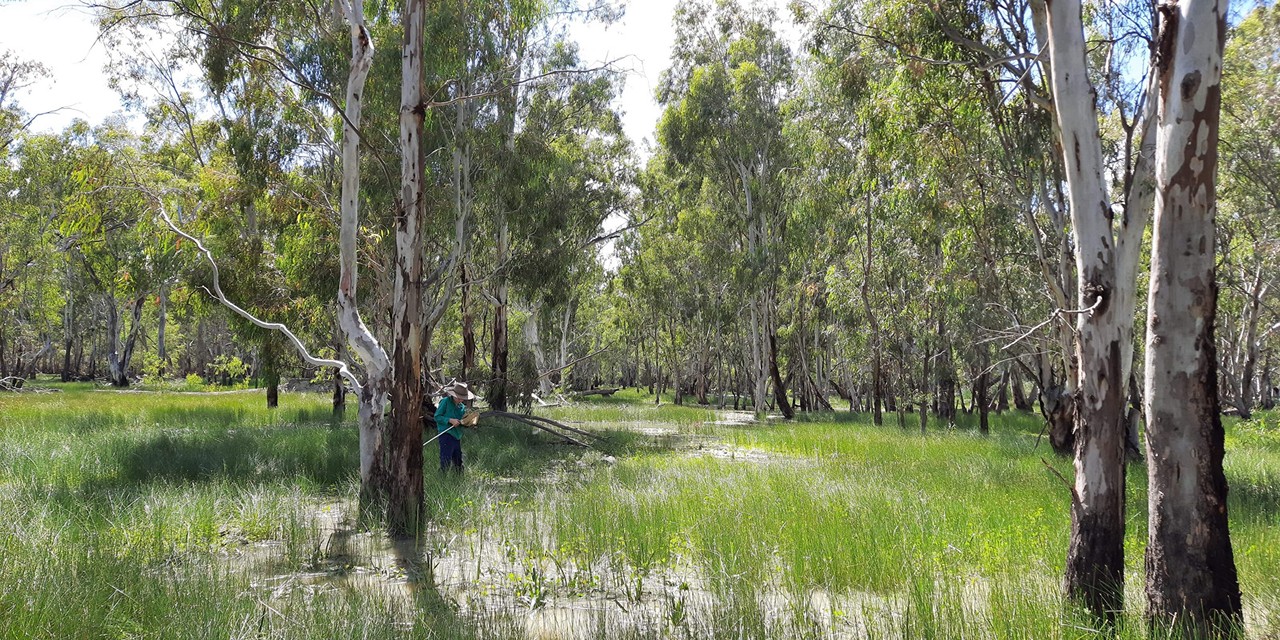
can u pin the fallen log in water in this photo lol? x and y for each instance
(565, 427)
(594, 392)
(537, 423)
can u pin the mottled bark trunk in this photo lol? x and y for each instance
(403, 456)
(1057, 405)
(119, 356)
(114, 370)
(1191, 574)
(533, 341)
(131, 341)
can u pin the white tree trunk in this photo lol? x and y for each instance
(372, 398)
(1095, 560)
(533, 340)
(1191, 574)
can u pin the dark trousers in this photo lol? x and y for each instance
(450, 453)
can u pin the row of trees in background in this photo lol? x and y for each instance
(928, 208)
(263, 144)
(242, 140)
(950, 195)
(905, 205)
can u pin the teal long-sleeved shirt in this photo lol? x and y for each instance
(449, 408)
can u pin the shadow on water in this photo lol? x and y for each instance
(400, 572)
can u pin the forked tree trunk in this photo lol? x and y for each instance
(1191, 573)
(119, 357)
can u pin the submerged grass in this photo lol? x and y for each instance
(208, 515)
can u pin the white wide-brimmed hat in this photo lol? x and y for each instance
(459, 391)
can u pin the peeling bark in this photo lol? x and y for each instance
(1192, 586)
(401, 461)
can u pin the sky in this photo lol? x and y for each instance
(62, 37)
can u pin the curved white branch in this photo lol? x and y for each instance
(342, 367)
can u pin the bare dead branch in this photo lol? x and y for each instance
(342, 367)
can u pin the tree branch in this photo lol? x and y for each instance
(342, 367)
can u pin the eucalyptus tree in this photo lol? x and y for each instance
(23, 268)
(681, 303)
(1004, 44)
(389, 478)
(17, 74)
(1107, 253)
(568, 167)
(107, 230)
(37, 178)
(514, 34)
(823, 127)
(723, 94)
(1191, 575)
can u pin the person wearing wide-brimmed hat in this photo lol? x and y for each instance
(453, 405)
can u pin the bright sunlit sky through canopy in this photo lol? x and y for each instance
(62, 36)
